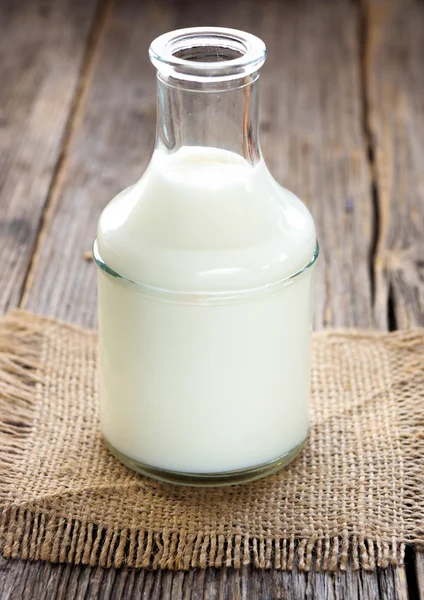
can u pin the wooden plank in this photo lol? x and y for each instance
(419, 570)
(395, 83)
(314, 144)
(395, 80)
(42, 48)
(107, 152)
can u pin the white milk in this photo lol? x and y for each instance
(206, 379)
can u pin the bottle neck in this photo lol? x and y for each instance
(200, 116)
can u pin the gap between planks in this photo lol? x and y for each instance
(363, 34)
(410, 578)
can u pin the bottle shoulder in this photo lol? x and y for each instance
(206, 226)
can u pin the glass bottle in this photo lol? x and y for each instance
(205, 282)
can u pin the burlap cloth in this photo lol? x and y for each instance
(354, 495)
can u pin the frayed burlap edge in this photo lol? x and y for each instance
(19, 364)
(36, 535)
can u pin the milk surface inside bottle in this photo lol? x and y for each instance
(205, 282)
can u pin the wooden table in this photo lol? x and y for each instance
(342, 121)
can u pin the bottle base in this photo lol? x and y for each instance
(208, 479)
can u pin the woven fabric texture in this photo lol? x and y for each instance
(354, 495)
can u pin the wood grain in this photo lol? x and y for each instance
(395, 83)
(314, 144)
(313, 135)
(25, 580)
(107, 152)
(42, 48)
(419, 573)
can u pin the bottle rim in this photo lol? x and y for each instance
(207, 54)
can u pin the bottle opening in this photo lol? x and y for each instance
(207, 53)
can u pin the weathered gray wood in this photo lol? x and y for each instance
(42, 48)
(395, 83)
(108, 151)
(313, 141)
(393, 584)
(63, 582)
(419, 572)
(394, 86)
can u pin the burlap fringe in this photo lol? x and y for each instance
(36, 536)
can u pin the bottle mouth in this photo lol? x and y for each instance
(205, 54)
